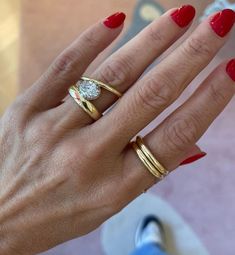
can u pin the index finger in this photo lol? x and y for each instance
(68, 67)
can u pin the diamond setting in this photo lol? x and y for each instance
(89, 89)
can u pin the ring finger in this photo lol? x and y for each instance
(125, 66)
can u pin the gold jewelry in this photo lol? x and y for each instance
(147, 158)
(145, 161)
(150, 156)
(88, 89)
(84, 104)
(103, 85)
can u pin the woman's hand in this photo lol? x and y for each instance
(61, 174)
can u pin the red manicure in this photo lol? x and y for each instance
(193, 158)
(115, 20)
(184, 15)
(222, 22)
(231, 69)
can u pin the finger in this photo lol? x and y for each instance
(158, 89)
(125, 66)
(53, 86)
(182, 129)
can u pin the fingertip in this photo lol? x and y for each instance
(230, 69)
(184, 15)
(115, 20)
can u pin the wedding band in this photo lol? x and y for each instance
(150, 156)
(147, 158)
(87, 90)
(146, 162)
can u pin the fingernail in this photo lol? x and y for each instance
(193, 158)
(115, 20)
(184, 15)
(223, 21)
(231, 69)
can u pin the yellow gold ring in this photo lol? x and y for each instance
(146, 162)
(87, 90)
(147, 158)
(150, 156)
(88, 107)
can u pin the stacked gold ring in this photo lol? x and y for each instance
(147, 158)
(84, 102)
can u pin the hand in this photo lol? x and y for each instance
(61, 174)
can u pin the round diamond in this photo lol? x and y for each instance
(89, 90)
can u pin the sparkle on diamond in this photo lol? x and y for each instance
(89, 90)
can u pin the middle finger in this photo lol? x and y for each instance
(162, 85)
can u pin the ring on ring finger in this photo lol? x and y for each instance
(88, 89)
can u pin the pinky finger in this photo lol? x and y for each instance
(174, 137)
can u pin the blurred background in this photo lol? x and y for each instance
(32, 33)
(9, 45)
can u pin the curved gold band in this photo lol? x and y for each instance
(147, 158)
(86, 105)
(145, 161)
(150, 156)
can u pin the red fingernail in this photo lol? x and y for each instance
(193, 158)
(231, 69)
(184, 15)
(223, 21)
(115, 20)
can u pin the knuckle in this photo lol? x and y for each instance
(155, 36)
(90, 39)
(68, 60)
(65, 62)
(218, 93)
(181, 132)
(155, 94)
(117, 72)
(195, 47)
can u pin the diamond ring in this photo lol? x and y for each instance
(87, 90)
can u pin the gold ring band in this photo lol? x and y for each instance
(150, 156)
(146, 162)
(147, 158)
(87, 106)
(91, 90)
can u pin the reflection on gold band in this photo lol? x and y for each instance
(147, 158)
(150, 156)
(145, 161)
(87, 106)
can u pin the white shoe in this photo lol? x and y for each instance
(150, 230)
